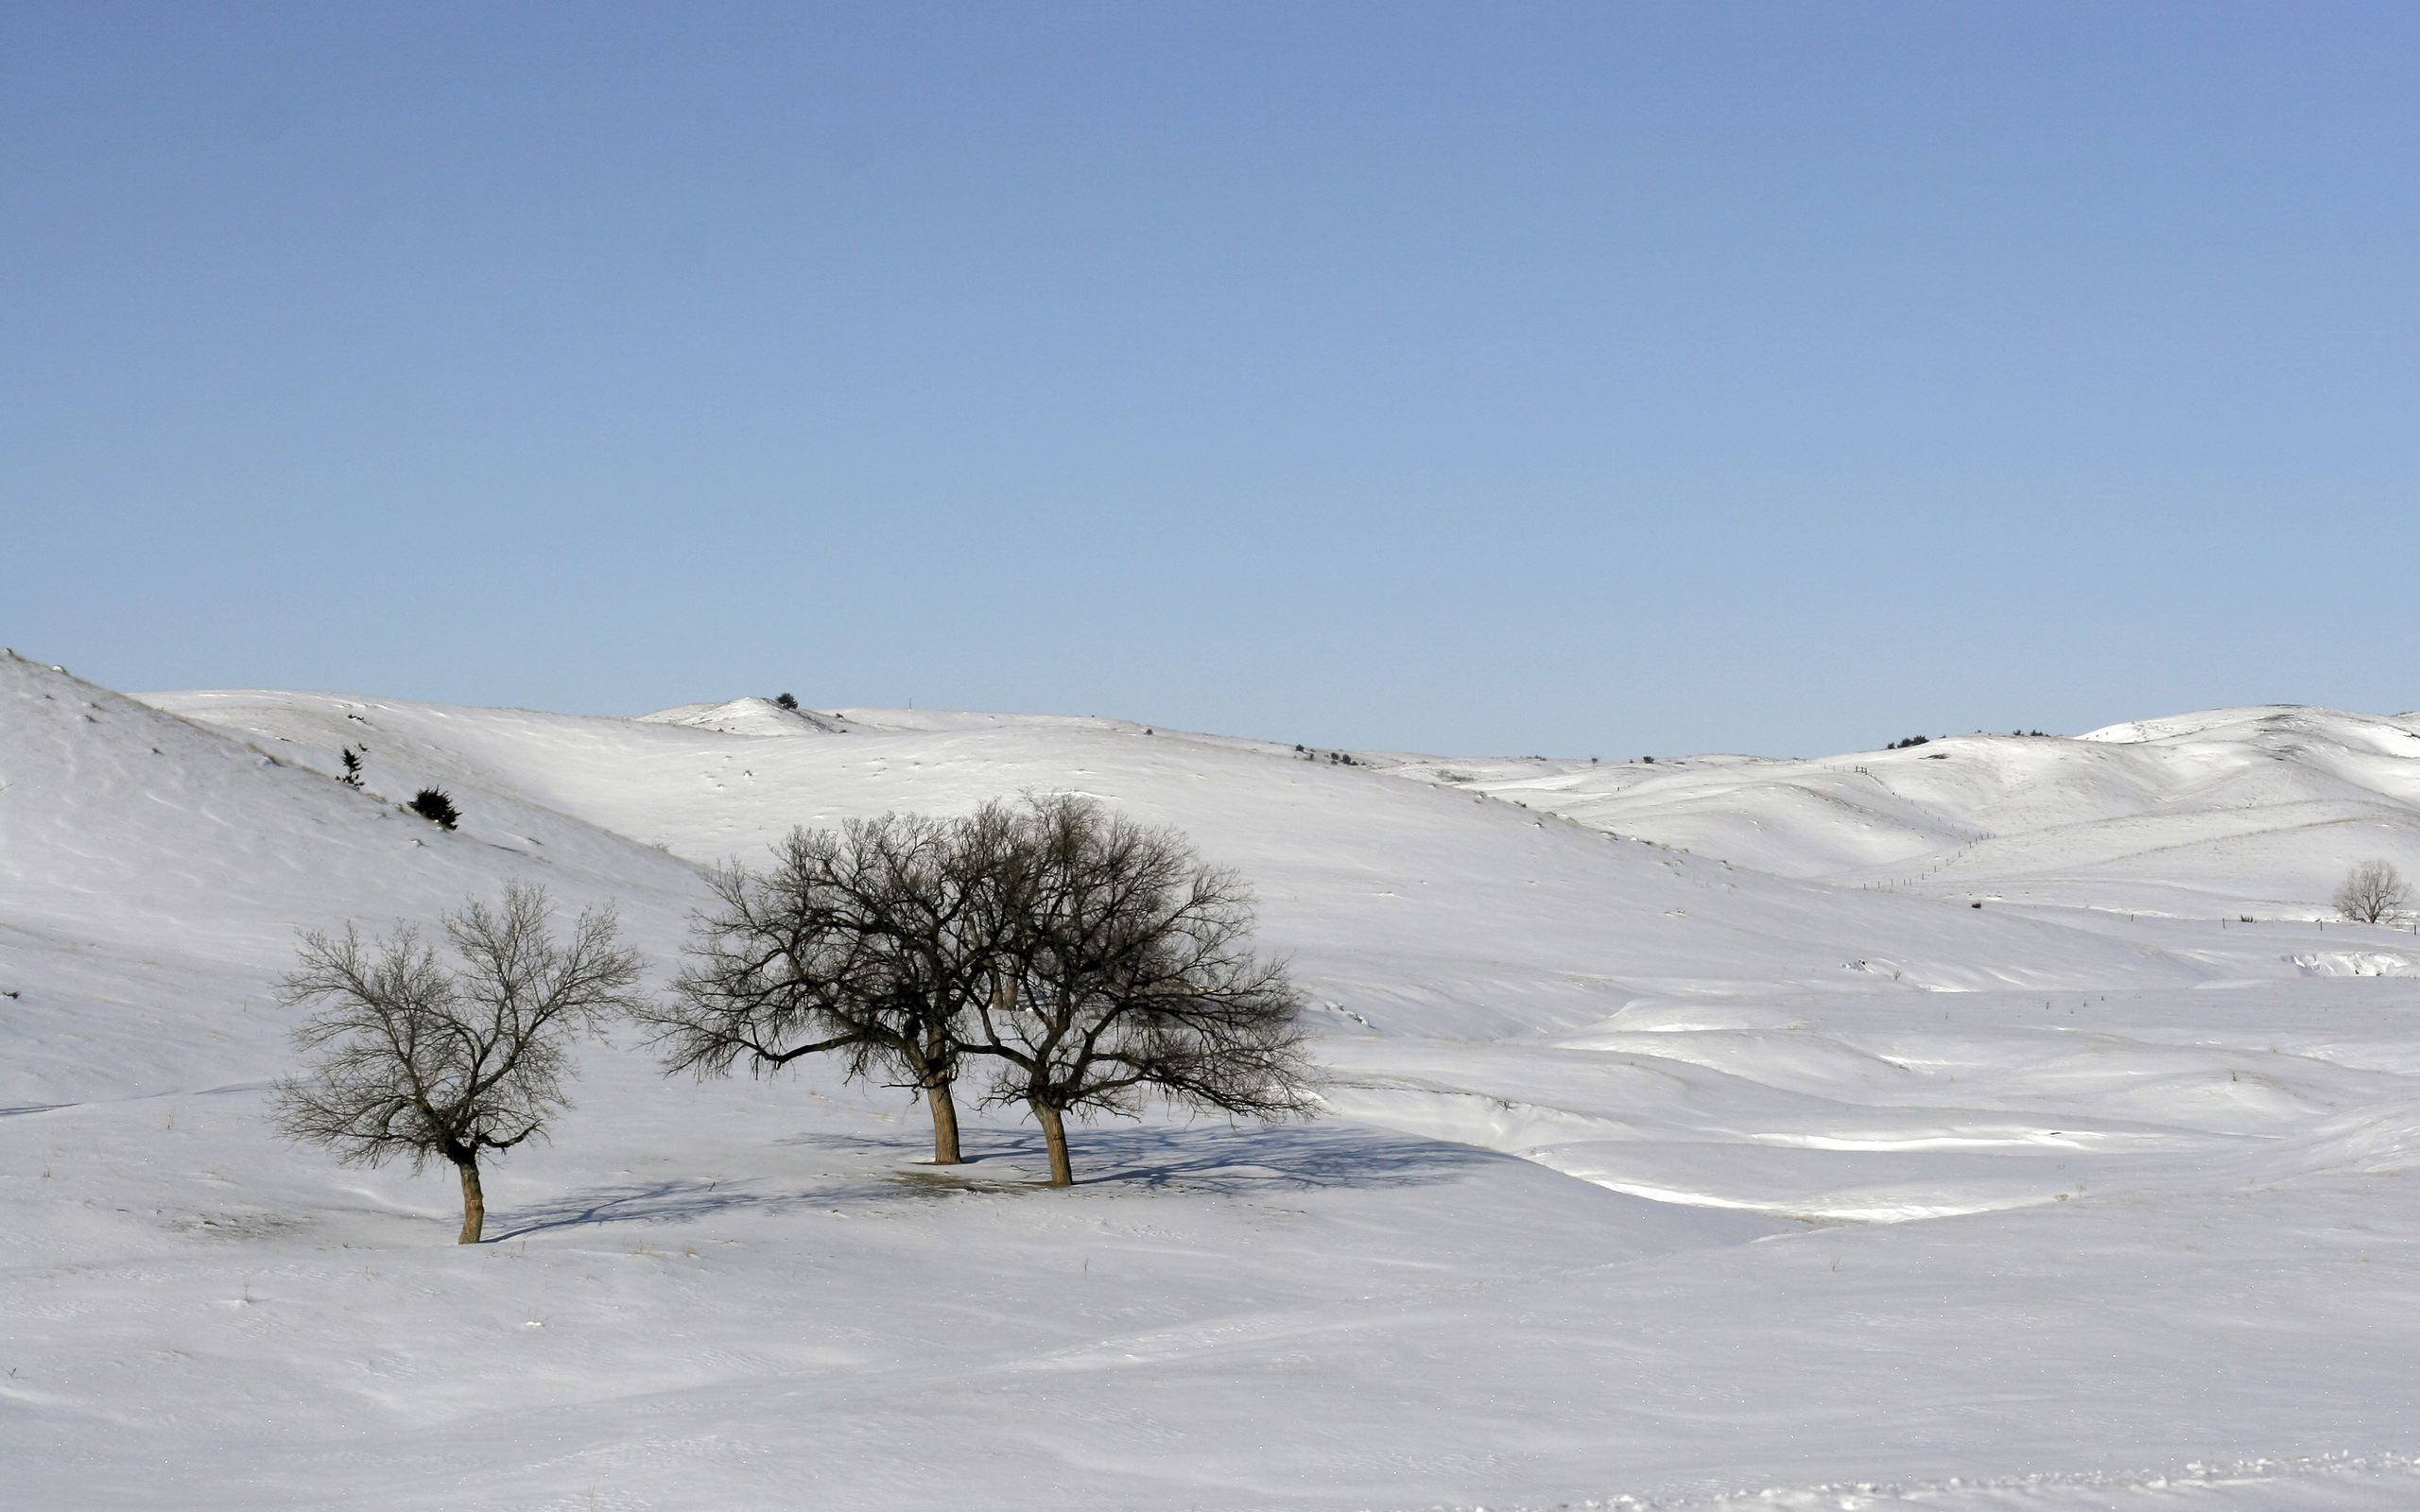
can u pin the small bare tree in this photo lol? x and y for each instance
(2372, 893)
(412, 1059)
(1132, 977)
(872, 941)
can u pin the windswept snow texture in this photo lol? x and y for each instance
(2237, 811)
(1728, 1159)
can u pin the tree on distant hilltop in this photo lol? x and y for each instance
(2372, 893)
(410, 1057)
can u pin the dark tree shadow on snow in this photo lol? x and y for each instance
(1241, 1161)
(677, 1200)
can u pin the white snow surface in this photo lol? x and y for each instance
(748, 716)
(1728, 1159)
(2216, 814)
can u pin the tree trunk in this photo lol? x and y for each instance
(475, 1203)
(1054, 1135)
(945, 1108)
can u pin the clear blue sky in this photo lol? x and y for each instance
(1588, 379)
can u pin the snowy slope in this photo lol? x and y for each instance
(143, 856)
(1424, 911)
(2208, 814)
(750, 716)
(1651, 1180)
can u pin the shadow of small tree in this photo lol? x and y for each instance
(1239, 1161)
(682, 1201)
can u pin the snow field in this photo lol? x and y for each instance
(2235, 811)
(1651, 1180)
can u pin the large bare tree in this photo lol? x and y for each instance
(2372, 893)
(1132, 975)
(412, 1059)
(872, 942)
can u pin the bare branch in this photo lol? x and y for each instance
(2372, 893)
(1135, 977)
(411, 1059)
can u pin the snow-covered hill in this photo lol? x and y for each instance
(1687, 1178)
(1426, 911)
(750, 716)
(157, 867)
(2212, 814)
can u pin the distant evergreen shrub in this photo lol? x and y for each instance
(432, 804)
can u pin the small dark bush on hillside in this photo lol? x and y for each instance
(432, 804)
(786, 700)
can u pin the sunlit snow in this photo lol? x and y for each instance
(1695, 1141)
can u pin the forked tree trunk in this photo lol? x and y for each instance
(475, 1203)
(1054, 1137)
(945, 1106)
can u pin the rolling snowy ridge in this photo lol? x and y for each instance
(1740, 1175)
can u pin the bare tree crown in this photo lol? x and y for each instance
(1089, 962)
(2372, 893)
(872, 942)
(1133, 975)
(409, 1057)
